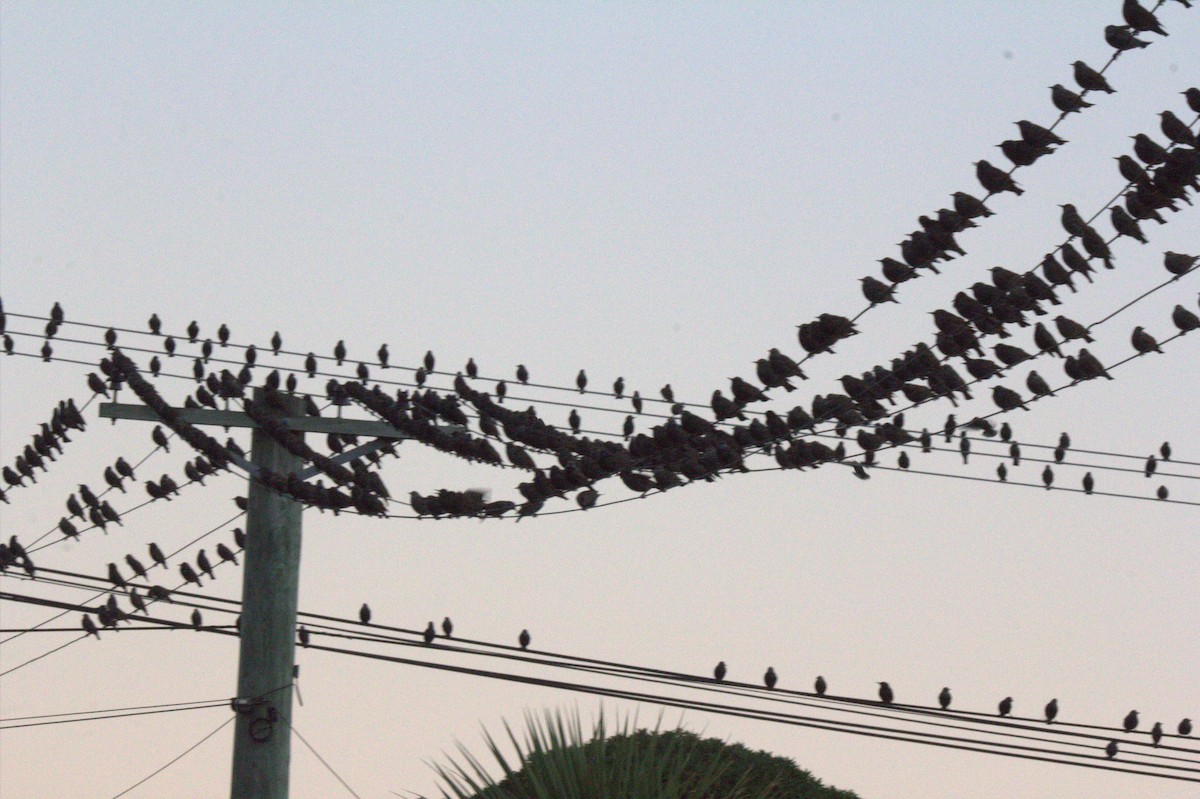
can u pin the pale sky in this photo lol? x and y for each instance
(660, 192)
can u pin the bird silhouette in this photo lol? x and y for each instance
(1090, 79)
(1178, 263)
(447, 627)
(1151, 152)
(364, 613)
(1185, 727)
(523, 639)
(944, 698)
(225, 553)
(1066, 100)
(1126, 225)
(1089, 483)
(89, 626)
(1156, 732)
(886, 696)
(339, 351)
(1035, 383)
(429, 634)
(820, 686)
(1151, 466)
(1048, 477)
(197, 619)
(1184, 319)
(1051, 711)
(1111, 749)
(1006, 705)
(581, 381)
(719, 672)
(136, 566)
(1143, 342)
(1070, 329)
(189, 574)
(1122, 38)
(114, 576)
(1141, 18)
(994, 179)
(769, 679)
(304, 635)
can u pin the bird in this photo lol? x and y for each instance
(1184, 319)
(276, 343)
(581, 381)
(1035, 383)
(1036, 134)
(1150, 151)
(1091, 366)
(944, 698)
(1002, 473)
(1131, 721)
(1193, 98)
(819, 686)
(429, 361)
(1006, 399)
(885, 693)
(1048, 477)
(523, 639)
(1165, 450)
(719, 672)
(364, 613)
(876, 291)
(970, 206)
(304, 635)
(1070, 329)
(1141, 18)
(1126, 225)
(1150, 467)
(1089, 483)
(1143, 342)
(769, 679)
(339, 351)
(1156, 732)
(136, 566)
(114, 576)
(903, 461)
(157, 556)
(1090, 79)
(1051, 711)
(89, 626)
(1178, 263)
(994, 179)
(197, 620)
(382, 355)
(522, 374)
(1176, 129)
(226, 553)
(1121, 38)
(1185, 727)
(1005, 707)
(447, 627)
(429, 634)
(1072, 222)
(189, 574)
(1066, 100)
(1111, 749)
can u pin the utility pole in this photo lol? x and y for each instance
(270, 586)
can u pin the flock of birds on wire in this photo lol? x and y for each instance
(686, 447)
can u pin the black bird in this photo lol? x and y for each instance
(447, 627)
(876, 291)
(339, 351)
(1048, 477)
(581, 381)
(472, 368)
(1005, 706)
(1091, 366)
(886, 696)
(114, 576)
(1143, 342)
(1121, 38)
(1076, 262)
(970, 206)
(205, 566)
(819, 686)
(1150, 151)
(994, 179)
(113, 480)
(523, 639)
(89, 626)
(1051, 711)
(223, 334)
(1023, 153)
(1151, 466)
(304, 635)
(1176, 129)
(668, 393)
(1036, 134)
(276, 343)
(1126, 225)
(1070, 329)
(1089, 483)
(136, 565)
(96, 384)
(310, 364)
(1141, 18)
(429, 634)
(1072, 222)
(1066, 100)
(1184, 319)
(1111, 749)
(429, 360)
(769, 679)
(1132, 171)
(189, 574)
(225, 553)
(1006, 399)
(157, 556)
(719, 672)
(364, 614)
(1002, 473)
(1162, 492)
(1178, 263)
(781, 364)
(193, 331)
(1090, 79)
(1156, 732)
(522, 374)
(1185, 726)
(944, 698)
(636, 400)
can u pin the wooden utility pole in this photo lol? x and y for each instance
(270, 587)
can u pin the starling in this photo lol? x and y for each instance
(1048, 477)
(581, 381)
(885, 693)
(364, 614)
(1162, 492)
(1006, 399)
(969, 206)
(1072, 222)
(1126, 225)
(769, 679)
(1184, 319)
(944, 698)
(304, 635)
(587, 499)
(1176, 129)
(1185, 727)
(136, 566)
(189, 574)
(1156, 732)
(89, 626)
(903, 461)
(1132, 171)
(157, 556)
(1141, 18)
(310, 364)
(1006, 705)
(1178, 263)
(1036, 134)
(1165, 450)
(114, 576)
(1143, 342)
(895, 271)
(1091, 80)
(447, 627)
(1023, 153)
(1151, 466)
(1089, 483)
(994, 179)
(1150, 151)
(1111, 749)
(819, 686)
(522, 374)
(1076, 262)
(429, 361)
(719, 672)
(339, 351)
(1051, 711)
(429, 634)
(876, 291)
(1091, 366)
(1066, 100)
(523, 639)
(226, 553)
(1131, 721)
(193, 331)
(1002, 473)
(1070, 329)
(276, 343)
(575, 421)
(1121, 38)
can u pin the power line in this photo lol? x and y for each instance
(176, 759)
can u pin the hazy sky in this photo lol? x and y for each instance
(656, 191)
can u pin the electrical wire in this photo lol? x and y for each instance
(175, 759)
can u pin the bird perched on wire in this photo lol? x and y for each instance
(1051, 711)
(1072, 222)
(1141, 18)
(1143, 342)
(581, 381)
(1126, 225)
(820, 686)
(1178, 263)
(1184, 319)
(429, 634)
(944, 698)
(1121, 38)
(886, 695)
(1006, 399)
(1066, 100)
(1090, 79)
(524, 639)
(719, 672)
(1070, 329)
(769, 679)
(1131, 721)
(1151, 152)
(995, 180)
(364, 614)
